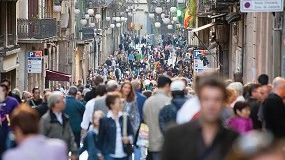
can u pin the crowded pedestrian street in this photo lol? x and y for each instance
(142, 79)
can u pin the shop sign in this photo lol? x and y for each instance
(261, 5)
(35, 62)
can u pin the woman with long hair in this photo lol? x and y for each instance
(130, 104)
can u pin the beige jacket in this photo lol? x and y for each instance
(151, 109)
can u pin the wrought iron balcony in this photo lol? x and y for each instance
(208, 7)
(87, 33)
(37, 28)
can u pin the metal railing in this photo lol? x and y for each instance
(87, 33)
(213, 6)
(36, 28)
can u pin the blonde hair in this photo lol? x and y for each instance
(232, 95)
(98, 114)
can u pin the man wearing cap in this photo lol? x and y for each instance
(167, 116)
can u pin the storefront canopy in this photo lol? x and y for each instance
(57, 76)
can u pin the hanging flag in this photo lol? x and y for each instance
(187, 17)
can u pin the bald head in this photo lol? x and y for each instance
(136, 84)
(278, 83)
(46, 96)
(279, 86)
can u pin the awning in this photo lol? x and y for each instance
(203, 27)
(57, 76)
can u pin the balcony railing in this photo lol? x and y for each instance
(213, 6)
(87, 33)
(36, 28)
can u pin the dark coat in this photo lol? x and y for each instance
(75, 110)
(42, 109)
(140, 101)
(254, 107)
(274, 115)
(51, 127)
(167, 115)
(107, 134)
(182, 143)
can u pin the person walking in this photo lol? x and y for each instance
(43, 108)
(56, 124)
(115, 132)
(274, 109)
(36, 100)
(75, 110)
(167, 115)
(151, 110)
(32, 145)
(204, 138)
(7, 105)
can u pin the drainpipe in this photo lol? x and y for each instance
(243, 44)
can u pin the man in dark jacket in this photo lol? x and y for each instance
(43, 108)
(75, 110)
(167, 116)
(56, 124)
(274, 109)
(204, 138)
(254, 102)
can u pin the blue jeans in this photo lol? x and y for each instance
(140, 153)
(108, 157)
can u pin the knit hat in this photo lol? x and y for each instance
(177, 85)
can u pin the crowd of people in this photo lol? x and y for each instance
(137, 106)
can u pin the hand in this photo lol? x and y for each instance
(126, 140)
(83, 133)
(73, 157)
(101, 158)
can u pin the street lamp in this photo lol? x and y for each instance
(90, 12)
(118, 25)
(92, 25)
(118, 19)
(166, 20)
(76, 11)
(87, 16)
(158, 9)
(57, 7)
(151, 15)
(112, 25)
(157, 24)
(172, 9)
(169, 26)
(83, 21)
(98, 16)
(162, 15)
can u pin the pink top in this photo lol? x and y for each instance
(241, 125)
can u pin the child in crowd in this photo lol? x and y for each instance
(241, 122)
(90, 141)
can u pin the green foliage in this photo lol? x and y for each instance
(193, 12)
